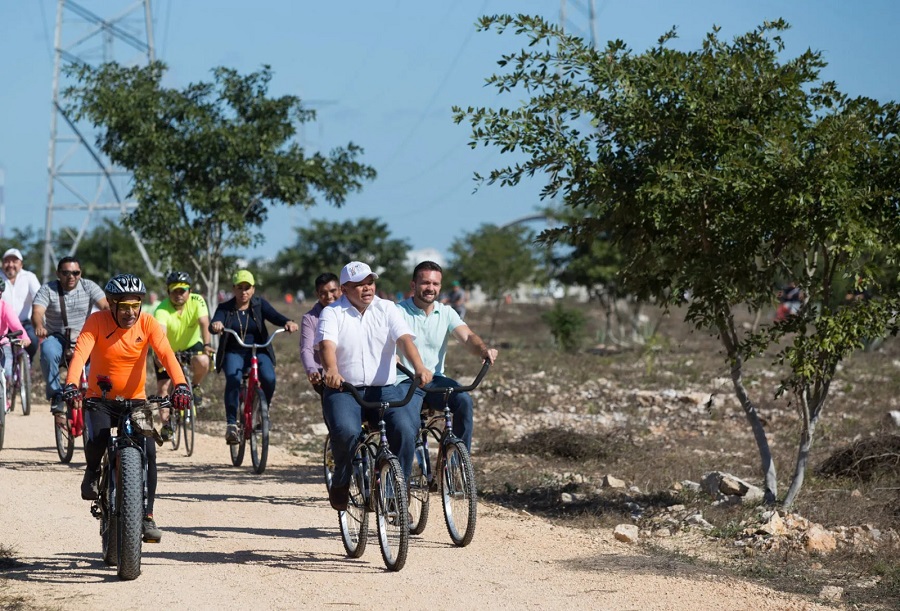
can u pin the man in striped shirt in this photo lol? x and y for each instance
(57, 335)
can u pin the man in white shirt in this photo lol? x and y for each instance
(21, 287)
(358, 335)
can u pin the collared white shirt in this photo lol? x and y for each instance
(365, 342)
(21, 294)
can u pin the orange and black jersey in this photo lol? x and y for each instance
(121, 354)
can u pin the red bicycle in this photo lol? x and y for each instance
(253, 421)
(67, 433)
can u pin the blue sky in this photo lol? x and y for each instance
(385, 75)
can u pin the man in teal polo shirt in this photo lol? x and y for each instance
(433, 323)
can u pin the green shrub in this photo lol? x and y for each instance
(566, 326)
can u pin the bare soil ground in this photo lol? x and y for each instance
(549, 426)
(232, 539)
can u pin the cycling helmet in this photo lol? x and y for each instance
(121, 285)
(176, 277)
(2, 285)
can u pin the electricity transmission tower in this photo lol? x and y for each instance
(587, 9)
(82, 181)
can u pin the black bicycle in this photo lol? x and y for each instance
(438, 446)
(376, 485)
(182, 420)
(123, 477)
(19, 385)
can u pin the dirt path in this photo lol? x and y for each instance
(232, 539)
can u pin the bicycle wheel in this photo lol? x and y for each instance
(187, 426)
(458, 493)
(327, 463)
(354, 522)
(108, 523)
(2, 424)
(130, 503)
(419, 499)
(392, 514)
(259, 434)
(175, 420)
(24, 383)
(237, 449)
(65, 440)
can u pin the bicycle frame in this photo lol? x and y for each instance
(252, 375)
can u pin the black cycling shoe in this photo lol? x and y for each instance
(150, 531)
(339, 496)
(90, 486)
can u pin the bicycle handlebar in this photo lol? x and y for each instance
(257, 346)
(95, 403)
(345, 386)
(14, 336)
(452, 389)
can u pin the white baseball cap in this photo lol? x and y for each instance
(14, 252)
(356, 271)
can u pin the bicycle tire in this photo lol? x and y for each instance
(175, 422)
(24, 384)
(130, 504)
(327, 463)
(237, 449)
(65, 441)
(2, 424)
(458, 494)
(188, 427)
(419, 499)
(259, 432)
(354, 522)
(108, 522)
(392, 514)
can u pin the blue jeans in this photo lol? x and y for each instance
(344, 419)
(6, 360)
(51, 355)
(234, 364)
(32, 348)
(460, 406)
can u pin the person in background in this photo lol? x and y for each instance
(327, 292)
(457, 299)
(433, 323)
(21, 288)
(58, 313)
(246, 314)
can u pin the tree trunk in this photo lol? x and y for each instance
(728, 337)
(810, 420)
(759, 433)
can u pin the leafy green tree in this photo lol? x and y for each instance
(327, 246)
(715, 172)
(496, 259)
(208, 161)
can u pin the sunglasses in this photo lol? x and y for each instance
(69, 273)
(178, 291)
(134, 306)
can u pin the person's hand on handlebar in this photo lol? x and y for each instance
(290, 326)
(71, 394)
(216, 327)
(333, 378)
(424, 377)
(488, 354)
(182, 397)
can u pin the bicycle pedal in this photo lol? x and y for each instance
(147, 539)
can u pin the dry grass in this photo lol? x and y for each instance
(531, 470)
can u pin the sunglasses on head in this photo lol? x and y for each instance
(69, 273)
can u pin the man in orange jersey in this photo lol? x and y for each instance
(116, 341)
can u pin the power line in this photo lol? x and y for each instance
(434, 95)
